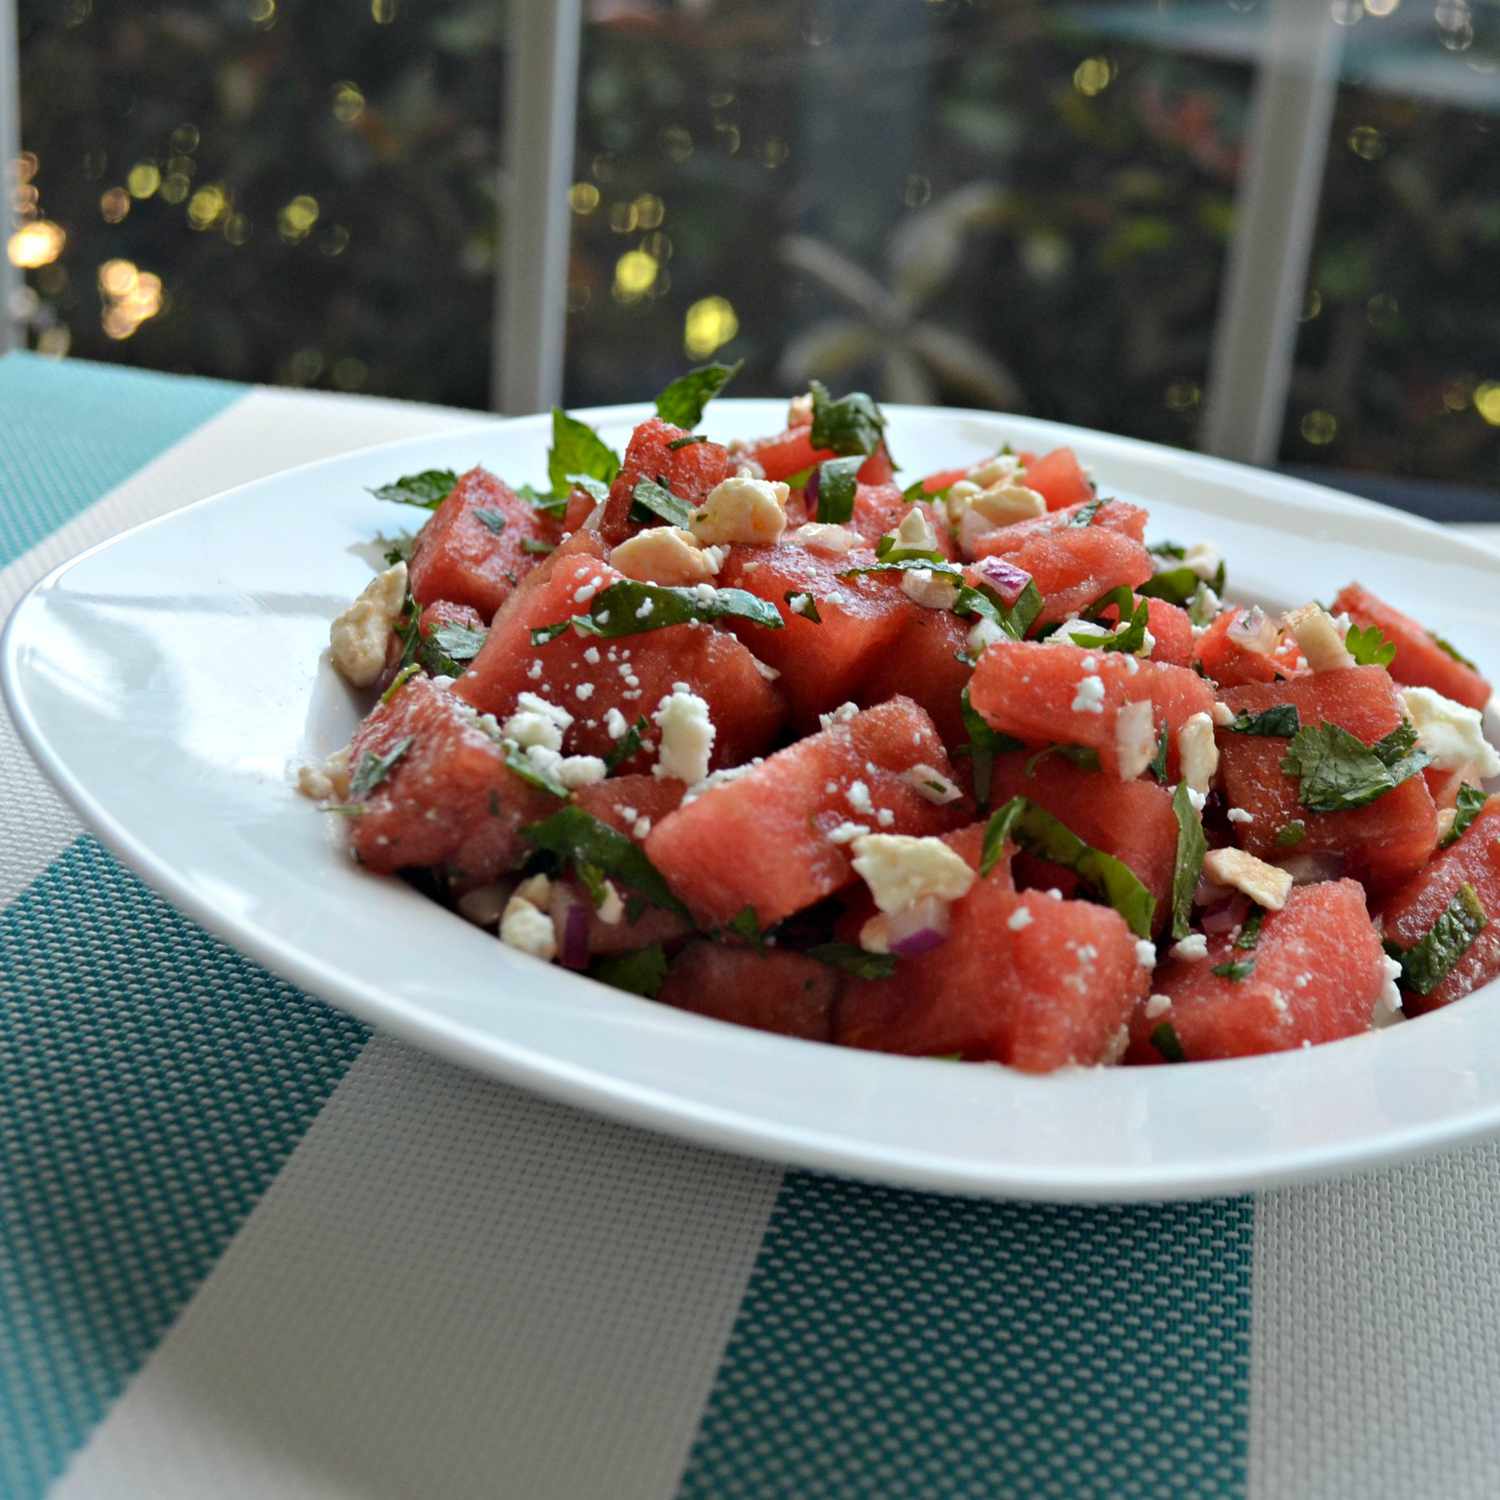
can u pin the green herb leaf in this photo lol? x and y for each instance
(683, 401)
(803, 603)
(852, 424)
(1084, 515)
(984, 745)
(855, 961)
(428, 489)
(1158, 766)
(1167, 549)
(529, 771)
(536, 546)
(373, 769)
(493, 519)
(1191, 848)
(1369, 647)
(1338, 771)
(574, 835)
(904, 565)
(1041, 834)
(1468, 806)
(1429, 961)
(687, 441)
(743, 924)
(1289, 835)
(1179, 585)
(631, 607)
(886, 550)
(629, 743)
(459, 642)
(1015, 619)
(1250, 932)
(1452, 651)
(1280, 722)
(1240, 968)
(577, 451)
(837, 487)
(1166, 1041)
(1130, 635)
(552, 505)
(642, 972)
(400, 680)
(595, 489)
(650, 498)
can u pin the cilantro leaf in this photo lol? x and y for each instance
(1429, 961)
(641, 972)
(1469, 805)
(984, 745)
(1369, 647)
(492, 519)
(1041, 834)
(1236, 969)
(652, 498)
(800, 602)
(459, 642)
(1166, 1041)
(631, 607)
(852, 424)
(572, 834)
(683, 401)
(428, 489)
(1453, 651)
(855, 961)
(837, 487)
(1337, 771)
(577, 450)
(1281, 721)
(373, 769)
(1188, 867)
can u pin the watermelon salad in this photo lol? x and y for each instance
(963, 767)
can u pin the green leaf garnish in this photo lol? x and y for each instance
(428, 489)
(577, 450)
(650, 498)
(1453, 651)
(1289, 835)
(1041, 834)
(631, 607)
(1084, 515)
(855, 961)
(641, 972)
(984, 745)
(1203, 607)
(837, 488)
(1130, 634)
(1167, 549)
(373, 769)
(852, 424)
(1014, 619)
(1166, 1041)
(536, 546)
(743, 924)
(683, 401)
(493, 519)
(629, 743)
(1429, 961)
(800, 602)
(400, 680)
(1188, 866)
(1281, 722)
(1250, 932)
(552, 505)
(904, 565)
(1369, 647)
(459, 642)
(1468, 806)
(1237, 969)
(1180, 585)
(574, 835)
(1158, 766)
(529, 771)
(687, 441)
(1338, 772)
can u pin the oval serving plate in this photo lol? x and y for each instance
(171, 680)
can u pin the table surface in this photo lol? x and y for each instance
(249, 1248)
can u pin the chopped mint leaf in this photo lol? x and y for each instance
(1191, 848)
(631, 607)
(683, 401)
(1158, 766)
(1175, 585)
(1014, 619)
(917, 490)
(652, 499)
(536, 546)
(529, 771)
(428, 489)
(577, 450)
(1237, 969)
(688, 441)
(459, 642)
(798, 481)
(595, 489)
(1167, 549)
(574, 835)
(1289, 835)
(837, 487)
(642, 972)
(855, 961)
(1041, 834)
(1166, 1041)
(984, 745)
(1337, 771)
(1469, 805)
(1084, 516)
(373, 769)
(1369, 647)
(552, 505)
(1280, 722)
(803, 604)
(904, 565)
(1429, 961)
(886, 550)
(852, 424)
(1250, 932)
(629, 743)
(1453, 651)
(743, 924)
(400, 680)
(493, 519)
(1130, 635)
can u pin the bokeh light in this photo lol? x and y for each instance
(635, 274)
(710, 323)
(114, 204)
(1319, 428)
(36, 244)
(583, 198)
(296, 219)
(1487, 401)
(130, 297)
(1092, 76)
(143, 179)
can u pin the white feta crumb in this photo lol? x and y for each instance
(841, 715)
(1157, 1006)
(584, 691)
(1222, 714)
(1054, 893)
(528, 928)
(1197, 798)
(329, 780)
(1266, 885)
(586, 591)
(537, 722)
(1318, 638)
(1204, 559)
(885, 817)
(1239, 815)
(1063, 636)
(666, 555)
(357, 639)
(983, 634)
(641, 827)
(1387, 1009)
(931, 784)
(858, 797)
(645, 609)
(1191, 948)
(1145, 953)
(581, 770)
(915, 533)
(928, 589)
(534, 671)
(1020, 918)
(1198, 751)
(611, 909)
(1135, 738)
(900, 870)
(1451, 733)
(741, 509)
(1132, 666)
(846, 833)
(687, 736)
(1089, 699)
(821, 536)
(615, 724)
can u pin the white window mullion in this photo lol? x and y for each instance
(10, 149)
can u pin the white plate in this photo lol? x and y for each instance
(170, 680)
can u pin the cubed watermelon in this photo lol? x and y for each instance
(762, 840)
(444, 612)
(690, 472)
(881, 508)
(1317, 972)
(1071, 565)
(1108, 515)
(449, 799)
(1045, 990)
(1232, 664)
(770, 989)
(1058, 478)
(925, 663)
(1408, 914)
(631, 805)
(1381, 843)
(1422, 659)
(473, 548)
(1044, 694)
(791, 452)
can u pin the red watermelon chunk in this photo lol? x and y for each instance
(924, 664)
(1408, 913)
(1381, 843)
(1419, 660)
(791, 452)
(1071, 565)
(771, 990)
(588, 676)
(1029, 690)
(1133, 820)
(690, 472)
(1053, 988)
(1170, 627)
(459, 558)
(1319, 969)
(449, 800)
(445, 612)
(821, 665)
(761, 840)
(1229, 663)
(631, 805)
(879, 509)
(1058, 478)
(1112, 515)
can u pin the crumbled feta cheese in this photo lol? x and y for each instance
(900, 870)
(974, 510)
(1054, 893)
(846, 833)
(581, 770)
(821, 536)
(357, 639)
(858, 797)
(720, 778)
(1451, 733)
(534, 671)
(1198, 751)
(1092, 629)
(586, 591)
(931, 784)
(641, 826)
(331, 779)
(1157, 1006)
(1145, 953)
(1089, 699)
(915, 533)
(645, 609)
(592, 657)
(984, 633)
(1222, 714)
(1204, 559)
(999, 468)
(611, 909)
(1266, 885)
(1191, 948)
(799, 412)
(1239, 815)
(1089, 663)
(930, 590)
(687, 736)
(739, 509)
(1197, 798)
(841, 715)
(1020, 918)
(528, 928)
(615, 724)
(584, 691)
(1135, 738)
(1388, 1002)
(1318, 638)
(875, 935)
(537, 722)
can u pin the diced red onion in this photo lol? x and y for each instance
(570, 920)
(1005, 578)
(1253, 630)
(810, 489)
(1227, 915)
(918, 929)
